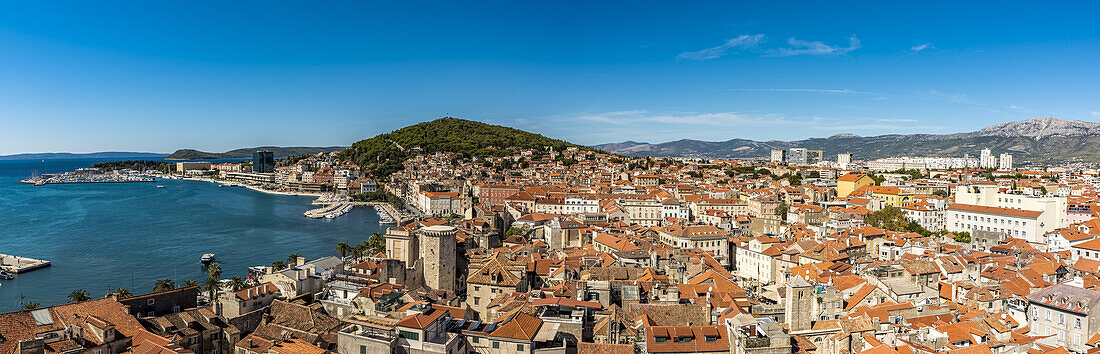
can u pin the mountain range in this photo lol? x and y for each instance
(90, 155)
(1045, 140)
(190, 154)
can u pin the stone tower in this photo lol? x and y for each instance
(437, 250)
(798, 304)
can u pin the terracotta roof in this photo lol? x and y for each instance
(995, 210)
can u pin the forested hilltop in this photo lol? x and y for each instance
(382, 155)
(191, 154)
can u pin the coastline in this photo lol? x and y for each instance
(255, 188)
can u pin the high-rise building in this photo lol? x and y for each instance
(814, 156)
(779, 156)
(843, 160)
(263, 162)
(1006, 162)
(987, 160)
(797, 156)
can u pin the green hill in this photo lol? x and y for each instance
(190, 154)
(382, 155)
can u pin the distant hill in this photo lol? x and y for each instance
(190, 154)
(1040, 140)
(386, 152)
(90, 155)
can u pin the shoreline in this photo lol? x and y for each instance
(254, 188)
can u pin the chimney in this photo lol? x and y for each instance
(300, 261)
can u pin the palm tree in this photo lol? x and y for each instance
(214, 270)
(30, 305)
(343, 249)
(236, 283)
(78, 296)
(122, 293)
(277, 265)
(190, 282)
(212, 287)
(163, 285)
(358, 252)
(293, 258)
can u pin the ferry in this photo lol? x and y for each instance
(207, 258)
(6, 276)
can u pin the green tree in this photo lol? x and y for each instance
(343, 249)
(163, 285)
(963, 237)
(31, 305)
(517, 230)
(892, 218)
(214, 270)
(122, 293)
(189, 283)
(278, 265)
(212, 287)
(236, 283)
(79, 295)
(375, 244)
(940, 192)
(293, 258)
(781, 211)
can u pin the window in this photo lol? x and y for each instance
(496, 345)
(1048, 317)
(660, 339)
(476, 300)
(362, 349)
(519, 347)
(1077, 323)
(410, 335)
(476, 339)
(1061, 318)
(710, 339)
(150, 303)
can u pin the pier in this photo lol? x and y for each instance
(16, 265)
(332, 209)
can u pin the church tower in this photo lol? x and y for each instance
(798, 304)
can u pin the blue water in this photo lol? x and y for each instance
(102, 236)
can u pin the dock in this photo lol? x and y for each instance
(16, 265)
(326, 210)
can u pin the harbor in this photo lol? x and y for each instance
(88, 175)
(16, 265)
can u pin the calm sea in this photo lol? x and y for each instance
(103, 236)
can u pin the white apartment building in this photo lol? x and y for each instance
(753, 264)
(1052, 207)
(441, 203)
(1015, 223)
(1005, 162)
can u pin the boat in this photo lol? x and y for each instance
(160, 186)
(330, 216)
(207, 258)
(6, 276)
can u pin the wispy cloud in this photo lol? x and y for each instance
(952, 97)
(799, 90)
(801, 47)
(896, 120)
(732, 45)
(920, 47)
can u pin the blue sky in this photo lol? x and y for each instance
(157, 76)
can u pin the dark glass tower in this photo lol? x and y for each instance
(263, 162)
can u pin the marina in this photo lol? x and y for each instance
(88, 175)
(331, 211)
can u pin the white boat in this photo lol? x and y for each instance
(160, 186)
(207, 258)
(6, 276)
(330, 216)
